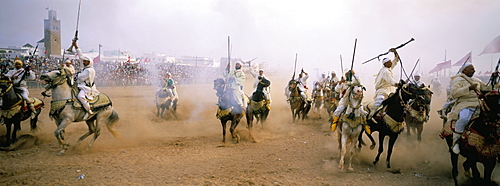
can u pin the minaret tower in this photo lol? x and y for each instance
(52, 34)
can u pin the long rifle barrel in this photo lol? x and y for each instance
(341, 65)
(349, 74)
(295, 66)
(398, 47)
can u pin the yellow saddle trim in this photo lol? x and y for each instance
(99, 101)
(393, 124)
(222, 113)
(11, 112)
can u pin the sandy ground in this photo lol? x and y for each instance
(186, 151)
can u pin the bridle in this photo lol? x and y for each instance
(58, 80)
(6, 82)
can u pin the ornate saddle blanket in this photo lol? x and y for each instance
(100, 101)
(37, 103)
(258, 106)
(449, 126)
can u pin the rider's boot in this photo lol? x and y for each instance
(333, 125)
(87, 108)
(454, 146)
(33, 110)
(268, 104)
(367, 129)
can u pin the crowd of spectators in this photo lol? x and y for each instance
(114, 73)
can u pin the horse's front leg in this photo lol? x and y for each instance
(223, 123)
(59, 133)
(8, 142)
(234, 124)
(420, 128)
(380, 148)
(392, 141)
(343, 149)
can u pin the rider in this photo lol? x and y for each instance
(302, 84)
(85, 81)
(19, 76)
(464, 88)
(235, 80)
(384, 82)
(69, 68)
(344, 87)
(169, 83)
(420, 83)
(257, 79)
(334, 80)
(323, 81)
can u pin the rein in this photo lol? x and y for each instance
(58, 81)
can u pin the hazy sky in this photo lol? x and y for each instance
(273, 31)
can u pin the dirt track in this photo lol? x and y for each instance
(186, 151)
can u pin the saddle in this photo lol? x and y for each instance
(9, 113)
(100, 101)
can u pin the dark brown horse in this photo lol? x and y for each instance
(14, 110)
(389, 120)
(480, 141)
(229, 110)
(417, 114)
(257, 107)
(298, 105)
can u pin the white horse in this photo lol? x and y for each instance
(65, 108)
(352, 121)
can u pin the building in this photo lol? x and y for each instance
(52, 35)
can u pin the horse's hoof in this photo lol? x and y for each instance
(372, 147)
(350, 169)
(60, 153)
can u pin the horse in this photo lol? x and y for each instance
(389, 119)
(14, 110)
(480, 141)
(65, 109)
(165, 100)
(257, 107)
(417, 113)
(352, 120)
(318, 96)
(298, 105)
(331, 101)
(229, 110)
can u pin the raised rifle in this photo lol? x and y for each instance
(70, 49)
(349, 74)
(295, 66)
(398, 47)
(341, 65)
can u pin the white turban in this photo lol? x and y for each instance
(464, 66)
(261, 70)
(385, 60)
(417, 74)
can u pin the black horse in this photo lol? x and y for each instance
(229, 110)
(417, 114)
(257, 107)
(480, 141)
(389, 120)
(298, 105)
(14, 110)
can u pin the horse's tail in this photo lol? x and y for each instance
(34, 120)
(110, 121)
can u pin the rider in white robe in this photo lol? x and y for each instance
(384, 82)
(235, 79)
(85, 81)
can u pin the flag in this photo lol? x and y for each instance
(441, 66)
(466, 58)
(97, 59)
(492, 47)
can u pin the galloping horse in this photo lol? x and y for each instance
(165, 100)
(229, 110)
(14, 110)
(331, 101)
(65, 108)
(352, 119)
(389, 120)
(318, 96)
(298, 105)
(417, 113)
(480, 141)
(258, 107)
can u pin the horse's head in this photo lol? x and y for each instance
(54, 77)
(5, 83)
(219, 86)
(292, 85)
(357, 91)
(263, 82)
(492, 100)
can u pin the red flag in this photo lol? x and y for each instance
(97, 59)
(492, 47)
(466, 58)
